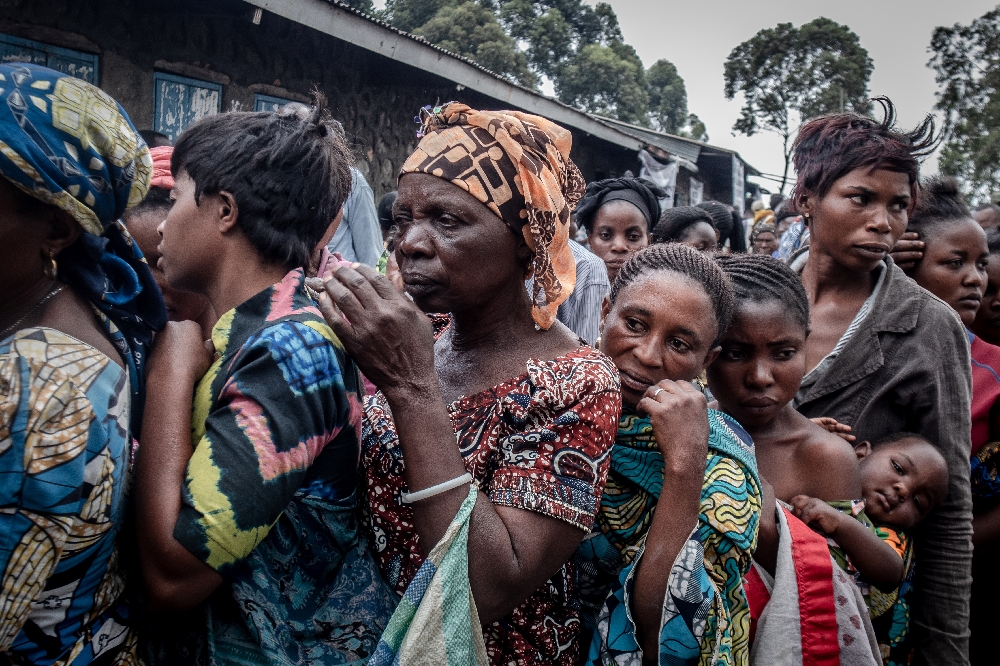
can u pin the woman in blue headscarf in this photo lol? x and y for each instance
(78, 308)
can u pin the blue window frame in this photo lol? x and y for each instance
(74, 63)
(179, 101)
(268, 102)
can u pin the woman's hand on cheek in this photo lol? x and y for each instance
(389, 338)
(908, 251)
(180, 353)
(679, 415)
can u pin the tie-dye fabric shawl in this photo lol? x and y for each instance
(270, 496)
(705, 615)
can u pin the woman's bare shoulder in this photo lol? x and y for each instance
(830, 463)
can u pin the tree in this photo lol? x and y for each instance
(578, 47)
(471, 30)
(967, 64)
(365, 6)
(556, 30)
(787, 73)
(668, 107)
(607, 80)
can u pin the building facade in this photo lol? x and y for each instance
(172, 63)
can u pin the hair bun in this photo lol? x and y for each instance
(942, 187)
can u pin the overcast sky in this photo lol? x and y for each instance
(698, 36)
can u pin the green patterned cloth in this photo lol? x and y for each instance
(705, 614)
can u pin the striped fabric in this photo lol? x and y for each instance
(436, 622)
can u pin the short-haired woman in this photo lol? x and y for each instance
(884, 356)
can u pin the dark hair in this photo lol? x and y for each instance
(685, 261)
(157, 198)
(759, 278)
(898, 437)
(155, 139)
(728, 222)
(776, 200)
(940, 203)
(675, 221)
(385, 211)
(784, 210)
(289, 176)
(830, 147)
(993, 239)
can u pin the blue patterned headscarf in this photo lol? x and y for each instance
(67, 143)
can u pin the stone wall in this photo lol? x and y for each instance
(375, 98)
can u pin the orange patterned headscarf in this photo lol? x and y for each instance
(518, 165)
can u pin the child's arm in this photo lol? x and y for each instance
(877, 561)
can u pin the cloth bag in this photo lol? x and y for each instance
(436, 623)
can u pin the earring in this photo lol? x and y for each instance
(52, 270)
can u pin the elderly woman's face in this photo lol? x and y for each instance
(858, 221)
(619, 231)
(453, 252)
(765, 243)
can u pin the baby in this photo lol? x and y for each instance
(903, 477)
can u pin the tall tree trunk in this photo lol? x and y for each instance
(788, 160)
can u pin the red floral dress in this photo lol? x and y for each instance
(539, 442)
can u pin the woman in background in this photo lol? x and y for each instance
(618, 215)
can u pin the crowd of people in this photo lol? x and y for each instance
(504, 416)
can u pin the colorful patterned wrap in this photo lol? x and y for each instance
(270, 496)
(518, 165)
(64, 459)
(70, 145)
(539, 442)
(889, 611)
(706, 619)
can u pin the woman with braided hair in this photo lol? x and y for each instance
(755, 379)
(618, 215)
(676, 571)
(885, 356)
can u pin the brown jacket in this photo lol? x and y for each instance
(907, 368)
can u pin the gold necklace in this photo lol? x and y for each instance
(46, 297)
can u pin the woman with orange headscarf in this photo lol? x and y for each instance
(495, 394)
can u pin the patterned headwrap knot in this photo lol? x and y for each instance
(518, 165)
(68, 144)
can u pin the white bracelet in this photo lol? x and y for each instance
(410, 498)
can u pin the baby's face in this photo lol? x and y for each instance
(902, 482)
